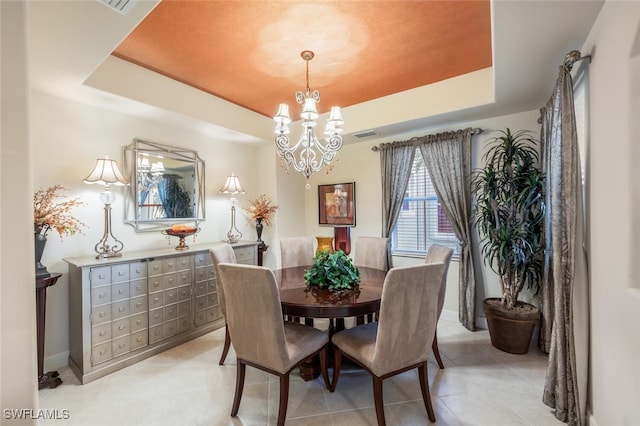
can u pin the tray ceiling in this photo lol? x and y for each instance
(248, 52)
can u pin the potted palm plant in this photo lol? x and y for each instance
(509, 213)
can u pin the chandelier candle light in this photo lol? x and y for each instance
(232, 186)
(107, 173)
(308, 155)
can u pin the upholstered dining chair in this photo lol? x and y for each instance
(401, 339)
(371, 252)
(222, 254)
(260, 338)
(439, 254)
(296, 251)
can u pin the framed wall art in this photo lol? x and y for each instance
(337, 204)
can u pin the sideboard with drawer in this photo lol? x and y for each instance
(125, 309)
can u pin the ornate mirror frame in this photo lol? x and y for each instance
(143, 171)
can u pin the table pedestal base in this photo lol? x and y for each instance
(309, 368)
(49, 380)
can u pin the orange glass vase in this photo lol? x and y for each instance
(324, 244)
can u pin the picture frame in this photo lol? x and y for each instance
(337, 204)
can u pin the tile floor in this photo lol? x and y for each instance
(480, 385)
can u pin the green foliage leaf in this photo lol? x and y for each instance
(334, 271)
(509, 211)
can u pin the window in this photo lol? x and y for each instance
(422, 221)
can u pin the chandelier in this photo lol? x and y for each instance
(309, 154)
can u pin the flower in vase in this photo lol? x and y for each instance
(261, 208)
(49, 215)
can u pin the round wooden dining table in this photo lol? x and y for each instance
(300, 301)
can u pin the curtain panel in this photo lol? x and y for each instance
(448, 160)
(564, 331)
(396, 162)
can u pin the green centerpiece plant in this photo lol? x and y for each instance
(333, 271)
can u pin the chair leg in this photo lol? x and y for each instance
(377, 398)
(284, 398)
(436, 352)
(227, 344)
(337, 364)
(242, 367)
(426, 395)
(323, 367)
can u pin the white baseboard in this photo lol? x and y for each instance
(481, 322)
(449, 315)
(591, 421)
(57, 361)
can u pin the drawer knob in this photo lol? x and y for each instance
(101, 314)
(103, 351)
(121, 345)
(102, 333)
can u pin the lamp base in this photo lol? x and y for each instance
(105, 255)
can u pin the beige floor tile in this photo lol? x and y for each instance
(480, 385)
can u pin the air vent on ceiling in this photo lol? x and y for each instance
(121, 6)
(366, 134)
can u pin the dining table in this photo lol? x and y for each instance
(300, 301)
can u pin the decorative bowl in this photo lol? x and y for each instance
(181, 233)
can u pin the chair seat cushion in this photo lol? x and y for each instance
(301, 340)
(359, 343)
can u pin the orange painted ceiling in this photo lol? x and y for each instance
(248, 52)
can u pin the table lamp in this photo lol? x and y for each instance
(107, 173)
(232, 186)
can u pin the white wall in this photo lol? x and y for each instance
(359, 164)
(18, 388)
(612, 175)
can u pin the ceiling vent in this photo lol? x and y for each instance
(366, 134)
(121, 6)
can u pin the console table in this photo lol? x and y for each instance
(125, 309)
(50, 379)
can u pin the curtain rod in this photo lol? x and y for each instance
(475, 131)
(574, 56)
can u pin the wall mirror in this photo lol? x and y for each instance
(166, 186)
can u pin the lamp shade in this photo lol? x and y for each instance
(282, 116)
(232, 185)
(106, 172)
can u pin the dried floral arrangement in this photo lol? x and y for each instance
(48, 214)
(261, 207)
